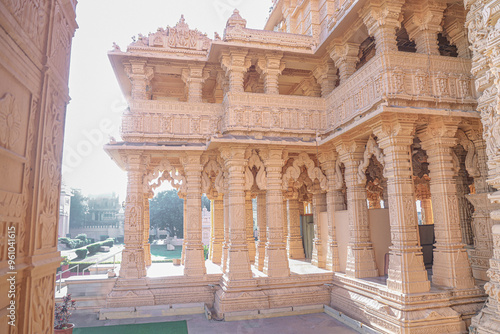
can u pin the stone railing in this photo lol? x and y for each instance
(170, 121)
(287, 114)
(267, 38)
(403, 79)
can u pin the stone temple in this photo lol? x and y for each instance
(379, 117)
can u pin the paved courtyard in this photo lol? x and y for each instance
(317, 323)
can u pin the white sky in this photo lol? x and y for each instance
(94, 112)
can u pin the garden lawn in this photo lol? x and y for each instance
(159, 253)
(170, 327)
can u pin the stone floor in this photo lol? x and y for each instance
(317, 323)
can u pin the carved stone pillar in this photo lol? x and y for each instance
(217, 237)
(147, 246)
(194, 78)
(225, 245)
(381, 20)
(318, 205)
(140, 76)
(194, 260)
(271, 67)
(333, 195)
(326, 76)
(406, 273)
(133, 260)
(360, 254)
(184, 218)
(235, 63)
(238, 262)
(423, 23)
(451, 266)
(345, 57)
(249, 226)
(276, 261)
(294, 247)
(455, 30)
(262, 231)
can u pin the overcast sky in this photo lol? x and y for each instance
(96, 100)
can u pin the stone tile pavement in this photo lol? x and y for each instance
(317, 323)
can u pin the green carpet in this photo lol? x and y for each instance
(171, 327)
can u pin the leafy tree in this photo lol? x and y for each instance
(166, 211)
(78, 209)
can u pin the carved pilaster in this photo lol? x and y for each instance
(238, 262)
(406, 273)
(194, 259)
(276, 261)
(147, 246)
(217, 237)
(133, 260)
(451, 266)
(345, 57)
(318, 206)
(423, 23)
(140, 76)
(455, 30)
(295, 248)
(488, 319)
(381, 19)
(360, 254)
(270, 67)
(249, 226)
(262, 231)
(333, 194)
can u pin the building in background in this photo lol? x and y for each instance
(64, 211)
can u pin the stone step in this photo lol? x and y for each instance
(151, 311)
(273, 312)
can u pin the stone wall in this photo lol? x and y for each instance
(35, 43)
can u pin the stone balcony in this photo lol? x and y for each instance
(240, 113)
(402, 79)
(399, 79)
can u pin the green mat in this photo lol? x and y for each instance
(171, 327)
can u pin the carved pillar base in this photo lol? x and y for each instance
(482, 223)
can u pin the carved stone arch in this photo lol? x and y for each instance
(260, 179)
(371, 149)
(471, 159)
(212, 180)
(293, 172)
(164, 172)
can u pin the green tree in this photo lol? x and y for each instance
(78, 209)
(166, 211)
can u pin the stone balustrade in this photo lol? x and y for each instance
(287, 114)
(399, 78)
(170, 120)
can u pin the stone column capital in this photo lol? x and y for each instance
(391, 131)
(439, 131)
(140, 75)
(326, 75)
(235, 60)
(376, 14)
(344, 52)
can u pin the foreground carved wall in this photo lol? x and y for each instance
(35, 43)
